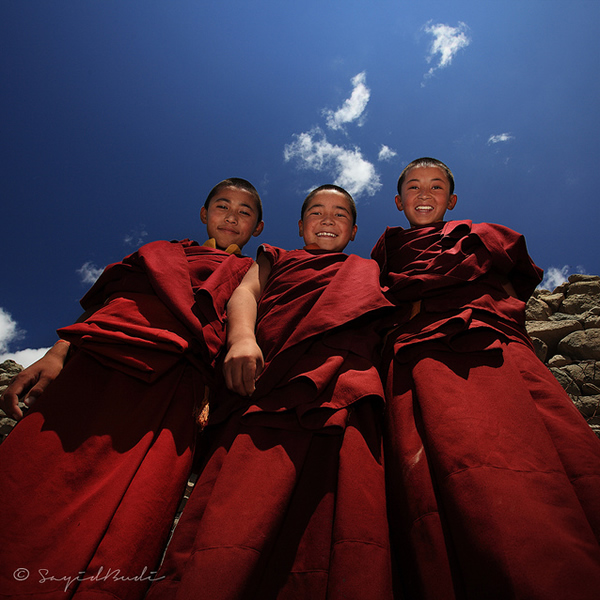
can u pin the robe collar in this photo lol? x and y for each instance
(231, 249)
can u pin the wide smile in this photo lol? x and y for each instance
(326, 234)
(424, 208)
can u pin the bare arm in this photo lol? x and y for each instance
(30, 383)
(244, 360)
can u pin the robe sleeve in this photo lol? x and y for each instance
(150, 316)
(510, 257)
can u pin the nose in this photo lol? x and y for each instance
(231, 217)
(328, 219)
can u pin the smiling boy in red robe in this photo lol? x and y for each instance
(91, 478)
(291, 500)
(493, 476)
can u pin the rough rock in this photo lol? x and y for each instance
(572, 335)
(552, 332)
(581, 345)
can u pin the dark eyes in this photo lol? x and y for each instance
(243, 212)
(433, 187)
(318, 213)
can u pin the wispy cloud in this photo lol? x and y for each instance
(136, 237)
(554, 276)
(447, 41)
(386, 153)
(9, 330)
(89, 272)
(345, 163)
(353, 107)
(502, 137)
(311, 150)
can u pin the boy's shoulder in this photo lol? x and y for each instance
(448, 228)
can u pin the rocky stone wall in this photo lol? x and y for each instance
(563, 324)
(8, 370)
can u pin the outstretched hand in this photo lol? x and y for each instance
(243, 364)
(31, 382)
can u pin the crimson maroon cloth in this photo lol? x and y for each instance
(291, 500)
(493, 476)
(91, 478)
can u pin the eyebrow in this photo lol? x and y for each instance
(433, 179)
(246, 204)
(338, 207)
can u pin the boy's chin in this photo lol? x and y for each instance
(224, 244)
(325, 247)
(424, 222)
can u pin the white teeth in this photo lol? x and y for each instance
(326, 234)
(424, 207)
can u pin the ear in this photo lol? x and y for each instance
(300, 228)
(259, 228)
(204, 215)
(354, 230)
(399, 203)
(452, 201)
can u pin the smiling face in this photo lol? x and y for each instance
(425, 196)
(327, 221)
(231, 217)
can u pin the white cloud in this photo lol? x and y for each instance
(447, 41)
(554, 276)
(89, 272)
(386, 153)
(24, 357)
(9, 331)
(311, 150)
(353, 107)
(502, 137)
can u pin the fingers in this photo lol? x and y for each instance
(240, 376)
(241, 370)
(249, 374)
(9, 403)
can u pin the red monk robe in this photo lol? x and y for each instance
(291, 500)
(92, 476)
(493, 475)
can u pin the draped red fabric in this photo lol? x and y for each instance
(493, 476)
(91, 478)
(291, 500)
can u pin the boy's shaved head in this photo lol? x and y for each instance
(426, 162)
(333, 188)
(240, 184)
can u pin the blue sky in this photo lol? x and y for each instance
(118, 116)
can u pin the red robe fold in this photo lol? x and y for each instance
(91, 478)
(291, 500)
(493, 476)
